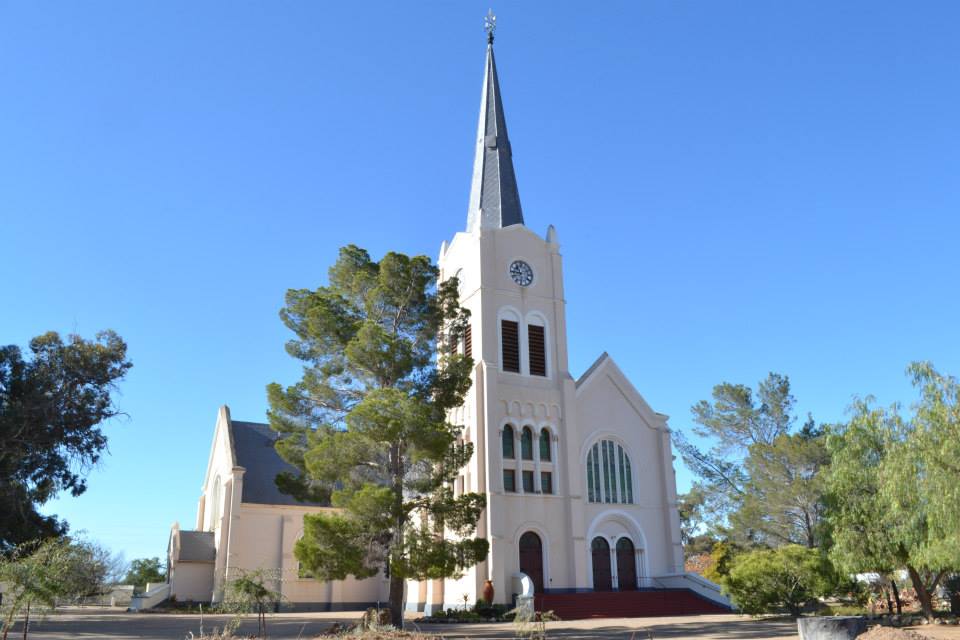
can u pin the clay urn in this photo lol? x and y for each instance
(487, 593)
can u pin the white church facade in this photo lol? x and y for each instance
(578, 472)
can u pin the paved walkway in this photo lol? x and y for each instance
(103, 624)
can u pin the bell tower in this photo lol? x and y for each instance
(511, 281)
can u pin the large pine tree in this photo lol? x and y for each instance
(367, 424)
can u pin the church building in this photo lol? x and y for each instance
(577, 471)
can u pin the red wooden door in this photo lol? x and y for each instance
(602, 576)
(626, 565)
(531, 559)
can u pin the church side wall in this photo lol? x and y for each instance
(265, 538)
(192, 581)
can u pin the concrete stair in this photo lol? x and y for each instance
(626, 604)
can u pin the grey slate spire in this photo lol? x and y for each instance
(494, 199)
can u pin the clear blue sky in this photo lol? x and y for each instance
(738, 187)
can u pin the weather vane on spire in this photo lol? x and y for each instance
(490, 25)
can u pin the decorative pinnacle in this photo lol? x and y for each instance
(490, 25)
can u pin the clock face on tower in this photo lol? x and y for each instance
(521, 273)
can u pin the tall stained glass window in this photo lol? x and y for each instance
(609, 475)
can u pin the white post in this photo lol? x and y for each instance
(615, 575)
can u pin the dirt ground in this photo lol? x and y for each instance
(106, 624)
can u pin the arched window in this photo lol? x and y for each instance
(526, 444)
(507, 438)
(609, 476)
(545, 445)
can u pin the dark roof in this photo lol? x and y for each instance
(494, 198)
(197, 546)
(254, 451)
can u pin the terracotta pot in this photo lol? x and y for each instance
(487, 593)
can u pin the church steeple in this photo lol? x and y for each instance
(494, 199)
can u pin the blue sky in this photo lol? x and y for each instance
(738, 187)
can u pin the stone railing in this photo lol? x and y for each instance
(154, 595)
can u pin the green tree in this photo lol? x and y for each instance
(722, 556)
(732, 421)
(695, 540)
(894, 486)
(143, 571)
(37, 574)
(249, 593)
(367, 424)
(783, 498)
(51, 404)
(759, 483)
(772, 580)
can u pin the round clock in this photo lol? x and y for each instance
(521, 273)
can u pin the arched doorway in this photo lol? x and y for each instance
(626, 565)
(531, 559)
(600, 550)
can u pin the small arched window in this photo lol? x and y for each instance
(507, 438)
(609, 475)
(545, 445)
(526, 444)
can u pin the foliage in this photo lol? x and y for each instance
(529, 623)
(783, 500)
(691, 509)
(50, 406)
(721, 557)
(758, 484)
(367, 424)
(38, 574)
(479, 612)
(772, 580)
(895, 486)
(733, 421)
(249, 593)
(144, 571)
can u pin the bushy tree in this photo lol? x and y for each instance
(250, 592)
(895, 486)
(721, 561)
(367, 424)
(51, 404)
(759, 483)
(144, 571)
(772, 580)
(37, 574)
(783, 498)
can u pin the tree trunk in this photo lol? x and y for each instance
(923, 591)
(26, 622)
(896, 595)
(889, 601)
(7, 622)
(808, 525)
(396, 600)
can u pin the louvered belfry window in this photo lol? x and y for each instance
(538, 350)
(510, 335)
(468, 342)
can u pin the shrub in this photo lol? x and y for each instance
(773, 580)
(721, 558)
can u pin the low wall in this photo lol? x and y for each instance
(696, 583)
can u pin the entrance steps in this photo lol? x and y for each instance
(626, 604)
